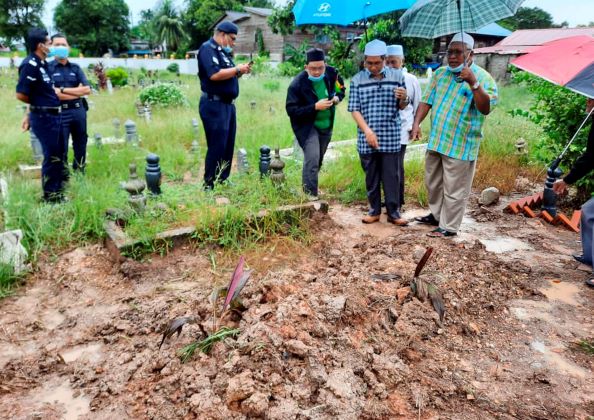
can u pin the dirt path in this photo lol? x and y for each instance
(320, 337)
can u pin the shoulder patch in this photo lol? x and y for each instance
(31, 78)
(33, 62)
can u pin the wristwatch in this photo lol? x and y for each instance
(476, 85)
(62, 89)
(237, 71)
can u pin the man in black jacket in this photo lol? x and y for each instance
(310, 104)
(582, 167)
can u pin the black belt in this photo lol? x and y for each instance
(49, 109)
(71, 105)
(213, 97)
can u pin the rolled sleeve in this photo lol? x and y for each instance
(209, 62)
(429, 95)
(82, 78)
(26, 78)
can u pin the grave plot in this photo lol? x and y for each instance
(162, 213)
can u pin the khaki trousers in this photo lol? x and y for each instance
(448, 183)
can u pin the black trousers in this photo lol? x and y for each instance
(220, 125)
(54, 169)
(382, 169)
(401, 161)
(74, 123)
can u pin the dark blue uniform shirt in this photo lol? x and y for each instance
(67, 75)
(36, 83)
(211, 59)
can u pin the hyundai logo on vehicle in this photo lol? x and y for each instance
(323, 10)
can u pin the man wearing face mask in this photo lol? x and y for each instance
(377, 95)
(459, 97)
(35, 88)
(219, 82)
(310, 105)
(72, 85)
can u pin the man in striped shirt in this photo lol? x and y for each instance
(377, 95)
(459, 97)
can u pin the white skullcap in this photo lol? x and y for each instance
(375, 48)
(395, 50)
(468, 40)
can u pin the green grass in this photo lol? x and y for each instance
(8, 280)
(50, 229)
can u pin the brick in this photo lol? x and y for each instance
(513, 208)
(546, 216)
(528, 212)
(576, 218)
(564, 220)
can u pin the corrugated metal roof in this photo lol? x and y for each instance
(526, 40)
(541, 36)
(493, 29)
(259, 10)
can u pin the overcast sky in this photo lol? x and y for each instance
(573, 11)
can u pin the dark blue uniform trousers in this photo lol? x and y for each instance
(220, 125)
(54, 169)
(74, 122)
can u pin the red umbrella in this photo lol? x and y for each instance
(566, 62)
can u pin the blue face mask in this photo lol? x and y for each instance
(51, 52)
(316, 79)
(228, 50)
(61, 52)
(455, 69)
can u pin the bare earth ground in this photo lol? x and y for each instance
(320, 339)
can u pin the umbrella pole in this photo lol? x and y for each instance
(365, 25)
(549, 199)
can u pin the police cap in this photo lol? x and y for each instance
(227, 27)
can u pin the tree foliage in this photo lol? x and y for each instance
(145, 29)
(528, 18)
(169, 28)
(559, 112)
(95, 26)
(282, 19)
(18, 16)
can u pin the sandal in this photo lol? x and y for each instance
(441, 233)
(590, 281)
(427, 220)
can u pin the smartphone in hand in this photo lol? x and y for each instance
(331, 95)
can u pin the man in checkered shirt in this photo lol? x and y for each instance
(377, 95)
(460, 96)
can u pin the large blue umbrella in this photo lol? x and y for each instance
(343, 12)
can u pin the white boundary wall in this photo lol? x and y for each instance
(189, 66)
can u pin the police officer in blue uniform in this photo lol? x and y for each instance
(69, 78)
(220, 86)
(35, 87)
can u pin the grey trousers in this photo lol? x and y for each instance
(382, 169)
(314, 149)
(587, 229)
(448, 182)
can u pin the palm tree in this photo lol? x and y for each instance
(169, 26)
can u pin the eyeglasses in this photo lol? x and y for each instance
(373, 63)
(455, 52)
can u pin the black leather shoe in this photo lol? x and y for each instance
(428, 220)
(582, 260)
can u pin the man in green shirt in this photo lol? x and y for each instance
(311, 100)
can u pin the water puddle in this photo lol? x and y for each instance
(561, 291)
(64, 395)
(557, 361)
(90, 352)
(503, 244)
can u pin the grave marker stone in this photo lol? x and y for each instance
(277, 165)
(264, 161)
(134, 187)
(153, 174)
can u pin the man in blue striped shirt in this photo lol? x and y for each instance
(377, 95)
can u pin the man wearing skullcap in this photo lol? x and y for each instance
(395, 60)
(310, 104)
(459, 97)
(220, 86)
(377, 94)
